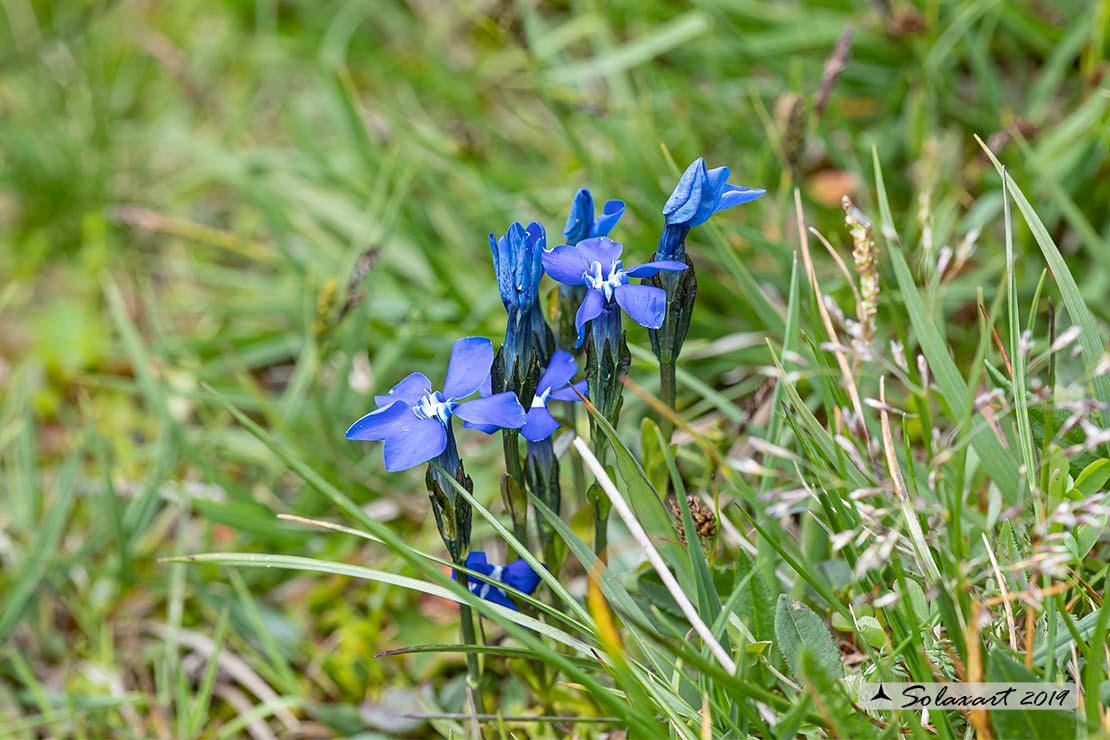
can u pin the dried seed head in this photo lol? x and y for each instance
(705, 521)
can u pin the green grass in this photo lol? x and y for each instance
(187, 190)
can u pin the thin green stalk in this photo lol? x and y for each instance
(668, 390)
(515, 501)
(598, 499)
(473, 670)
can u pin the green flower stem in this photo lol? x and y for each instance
(473, 670)
(668, 391)
(513, 491)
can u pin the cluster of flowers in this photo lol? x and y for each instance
(536, 365)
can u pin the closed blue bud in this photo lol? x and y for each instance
(581, 223)
(701, 193)
(517, 263)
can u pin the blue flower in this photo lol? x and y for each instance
(596, 264)
(581, 224)
(414, 421)
(517, 574)
(516, 261)
(701, 193)
(554, 384)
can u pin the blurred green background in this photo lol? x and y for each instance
(289, 201)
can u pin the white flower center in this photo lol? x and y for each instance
(481, 589)
(540, 401)
(605, 283)
(434, 406)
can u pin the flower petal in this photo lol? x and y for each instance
(560, 370)
(471, 359)
(492, 593)
(410, 390)
(647, 305)
(540, 425)
(382, 423)
(648, 269)
(687, 195)
(565, 264)
(500, 409)
(414, 443)
(600, 249)
(592, 306)
(568, 393)
(735, 195)
(519, 575)
(581, 217)
(476, 561)
(609, 217)
(483, 428)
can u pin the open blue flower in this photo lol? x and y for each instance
(581, 224)
(596, 264)
(517, 574)
(554, 384)
(701, 193)
(413, 420)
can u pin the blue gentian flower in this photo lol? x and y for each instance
(414, 421)
(581, 224)
(555, 385)
(517, 574)
(596, 264)
(701, 193)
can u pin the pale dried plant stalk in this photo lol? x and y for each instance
(865, 254)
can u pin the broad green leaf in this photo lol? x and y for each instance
(1093, 478)
(797, 627)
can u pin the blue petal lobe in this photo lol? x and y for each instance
(687, 195)
(500, 409)
(414, 443)
(735, 195)
(646, 304)
(650, 268)
(492, 594)
(539, 425)
(559, 371)
(609, 217)
(483, 428)
(469, 366)
(382, 423)
(519, 575)
(566, 264)
(476, 561)
(410, 390)
(592, 306)
(568, 393)
(600, 249)
(581, 217)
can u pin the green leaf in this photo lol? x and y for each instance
(755, 604)
(1019, 724)
(294, 562)
(798, 626)
(1093, 478)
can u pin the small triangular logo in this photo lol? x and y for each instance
(880, 694)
